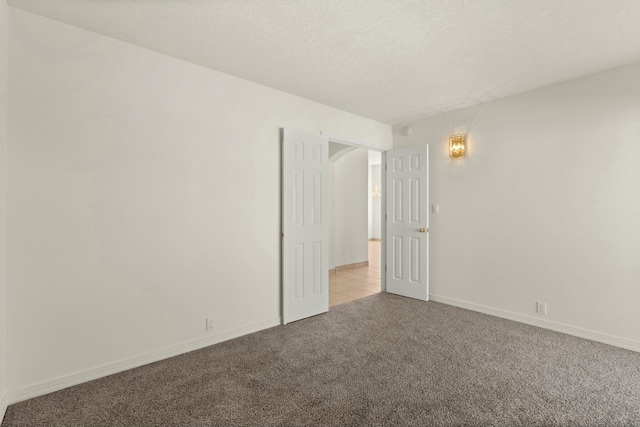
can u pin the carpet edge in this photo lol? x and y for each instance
(49, 386)
(625, 343)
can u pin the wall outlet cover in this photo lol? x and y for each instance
(541, 308)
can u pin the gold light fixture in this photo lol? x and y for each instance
(457, 146)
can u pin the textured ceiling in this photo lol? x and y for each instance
(390, 60)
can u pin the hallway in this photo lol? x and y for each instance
(355, 283)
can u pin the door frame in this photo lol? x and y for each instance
(383, 200)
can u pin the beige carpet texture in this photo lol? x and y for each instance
(379, 361)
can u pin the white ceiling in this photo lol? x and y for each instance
(390, 60)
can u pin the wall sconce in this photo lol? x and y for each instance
(457, 146)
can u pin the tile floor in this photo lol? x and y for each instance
(354, 283)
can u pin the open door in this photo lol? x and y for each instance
(305, 229)
(407, 222)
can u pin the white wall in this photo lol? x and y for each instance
(350, 211)
(4, 23)
(331, 215)
(544, 208)
(369, 204)
(143, 197)
(375, 210)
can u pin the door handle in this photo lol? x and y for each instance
(423, 230)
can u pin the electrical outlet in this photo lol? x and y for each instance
(541, 308)
(210, 324)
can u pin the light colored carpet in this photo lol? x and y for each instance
(382, 360)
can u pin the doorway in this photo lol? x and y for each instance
(307, 258)
(355, 229)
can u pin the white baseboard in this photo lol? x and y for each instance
(39, 389)
(3, 406)
(547, 324)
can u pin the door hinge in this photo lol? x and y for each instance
(283, 235)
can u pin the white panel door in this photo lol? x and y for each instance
(305, 238)
(407, 222)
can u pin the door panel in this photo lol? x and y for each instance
(305, 239)
(407, 222)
